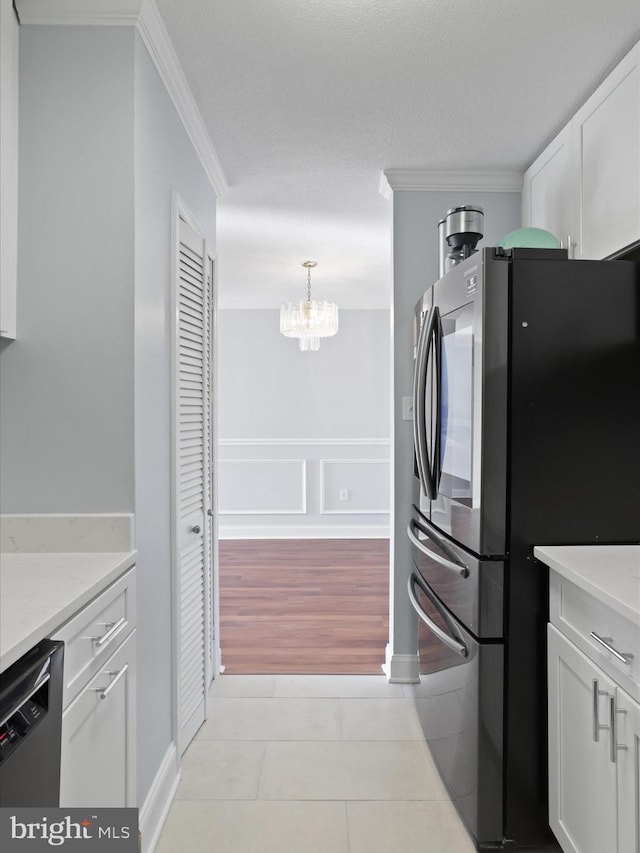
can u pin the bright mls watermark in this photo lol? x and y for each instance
(34, 829)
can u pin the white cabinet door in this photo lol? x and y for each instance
(548, 189)
(582, 778)
(628, 765)
(98, 737)
(606, 151)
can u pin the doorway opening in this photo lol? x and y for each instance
(304, 492)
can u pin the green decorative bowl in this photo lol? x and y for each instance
(529, 238)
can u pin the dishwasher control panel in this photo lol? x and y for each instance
(20, 724)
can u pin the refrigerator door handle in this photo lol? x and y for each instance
(452, 563)
(437, 356)
(451, 642)
(419, 427)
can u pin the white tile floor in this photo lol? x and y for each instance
(311, 764)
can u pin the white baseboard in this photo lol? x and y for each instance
(401, 669)
(158, 801)
(306, 531)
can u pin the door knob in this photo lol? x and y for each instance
(195, 528)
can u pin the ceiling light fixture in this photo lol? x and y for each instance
(309, 321)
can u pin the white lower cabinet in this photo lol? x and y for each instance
(97, 736)
(98, 754)
(594, 755)
(582, 779)
(628, 761)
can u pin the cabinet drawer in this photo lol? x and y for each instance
(98, 746)
(580, 616)
(92, 635)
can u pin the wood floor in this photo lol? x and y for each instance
(304, 605)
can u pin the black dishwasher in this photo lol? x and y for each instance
(30, 727)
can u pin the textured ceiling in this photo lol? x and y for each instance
(306, 101)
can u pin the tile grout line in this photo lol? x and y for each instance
(260, 774)
(346, 817)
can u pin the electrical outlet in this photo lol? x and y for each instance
(344, 494)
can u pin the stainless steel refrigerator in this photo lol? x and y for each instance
(526, 425)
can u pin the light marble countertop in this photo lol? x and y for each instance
(611, 573)
(39, 592)
(51, 566)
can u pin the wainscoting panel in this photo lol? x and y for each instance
(262, 487)
(359, 486)
(290, 488)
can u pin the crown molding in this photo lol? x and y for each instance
(433, 180)
(77, 12)
(144, 16)
(156, 39)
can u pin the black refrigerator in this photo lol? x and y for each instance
(526, 432)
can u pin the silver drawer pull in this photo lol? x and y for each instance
(114, 628)
(597, 725)
(614, 745)
(104, 692)
(624, 657)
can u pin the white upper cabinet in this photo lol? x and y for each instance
(606, 150)
(547, 189)
(585, 186)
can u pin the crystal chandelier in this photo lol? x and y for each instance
(309, 321)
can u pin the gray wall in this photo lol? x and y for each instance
(297, 427)
(269, 389)
(415, 267)
(66, 429)
(164, 161)
(101, 149)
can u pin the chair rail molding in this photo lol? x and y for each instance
(144, 16)
(312, 442)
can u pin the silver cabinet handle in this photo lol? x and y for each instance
(104, 692)
(614, 745)
(570, 246)
(195, 528)
(597, 726)
(114, 628)
(624, 657)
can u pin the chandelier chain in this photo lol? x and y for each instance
(308, 284)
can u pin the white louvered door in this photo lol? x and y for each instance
(193, 470)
